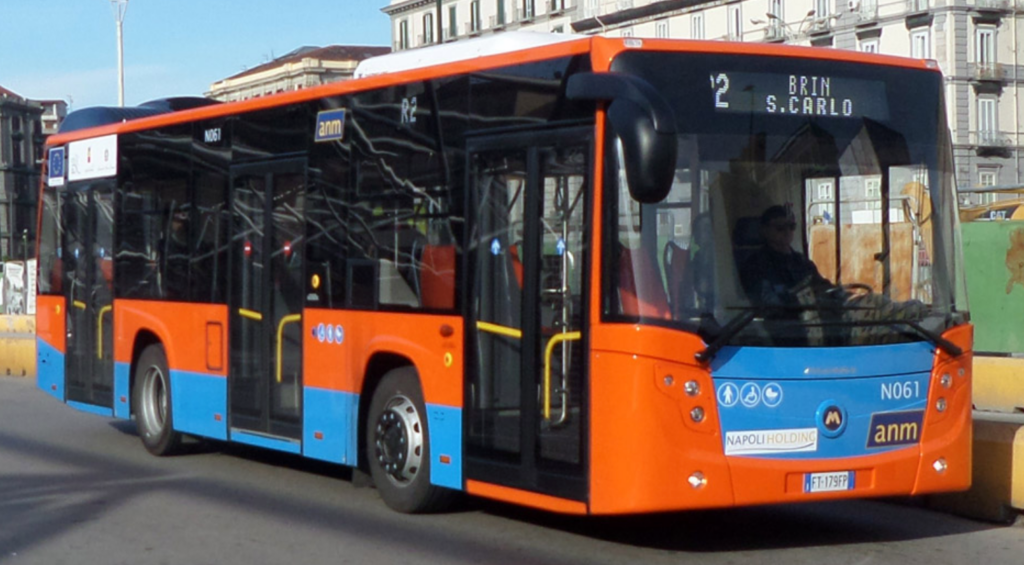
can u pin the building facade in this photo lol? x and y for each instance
(975, 42)
(305, 67)
(24, 126)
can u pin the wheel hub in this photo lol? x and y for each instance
(398, 440)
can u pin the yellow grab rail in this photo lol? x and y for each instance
(500, 330)
(552, 343)
(251, 314)
(99, 328)
(78, 304)
(280, 338)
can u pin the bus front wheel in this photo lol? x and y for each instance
(397, 447)
(152, 400)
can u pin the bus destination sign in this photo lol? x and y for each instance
(801, 95)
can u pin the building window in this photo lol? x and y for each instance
(822, 9)
(736, 22)
(697, 26)
(917, 5)
(825, 192)
(453, 22)
(500, 18)
(474, 16)
(869, 45)
(873, 193)
(403, 34)
(428, 28)
(987, 177)
(988, 128)
(920, 43)
(527, 9)
(557, 6)
(661, 29)
(985, 45)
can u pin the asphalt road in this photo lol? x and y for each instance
(79, 489)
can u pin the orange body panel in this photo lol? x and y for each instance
(525, 498)
(645, 445)
(182, 327)
(51, 321)
(420, 338)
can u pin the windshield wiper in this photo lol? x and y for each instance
(730, 330)
(936, 339)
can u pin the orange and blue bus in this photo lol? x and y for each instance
(513, 267)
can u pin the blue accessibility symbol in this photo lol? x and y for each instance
(495, 247)
(320, 333)
(560, 247)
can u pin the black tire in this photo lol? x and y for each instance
(151, 399)
(397, 446)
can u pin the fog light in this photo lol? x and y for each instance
(692, 388)
(940, 405)
(697, 414)
(946, 380)
(940, 465)
(697, 480)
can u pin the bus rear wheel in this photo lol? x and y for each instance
(397, 446)
(152, 400)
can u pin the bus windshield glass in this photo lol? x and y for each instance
(813, 205)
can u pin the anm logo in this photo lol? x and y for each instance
(895, 428)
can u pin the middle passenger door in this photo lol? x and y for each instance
(527, 255)
(265, 300)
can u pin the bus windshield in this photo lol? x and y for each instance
(813, 205)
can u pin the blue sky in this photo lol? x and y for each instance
(67, 49)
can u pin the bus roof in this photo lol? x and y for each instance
(495, 44)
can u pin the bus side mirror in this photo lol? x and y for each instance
(645, 123)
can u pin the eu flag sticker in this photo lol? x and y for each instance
(55, 167)
(330, 126)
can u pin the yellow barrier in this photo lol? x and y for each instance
(997, 489)
(998, 383)
(17, 346)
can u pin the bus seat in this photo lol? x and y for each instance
(651, 300)
(437, 276)
(746, 238)
(680, 286)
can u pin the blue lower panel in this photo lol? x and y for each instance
(329, 425)
(257, 440)
(445, 425)
(122, 393)
(199, 403)
(49, 369)
(91, 408)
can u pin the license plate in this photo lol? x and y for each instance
(828, 482)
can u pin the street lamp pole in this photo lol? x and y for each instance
(120, 8)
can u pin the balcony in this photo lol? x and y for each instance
(989, 72)
(993, 5)
(866, 12)
(992, 143)
(915, 6)
(772, 33)
(497, 22)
